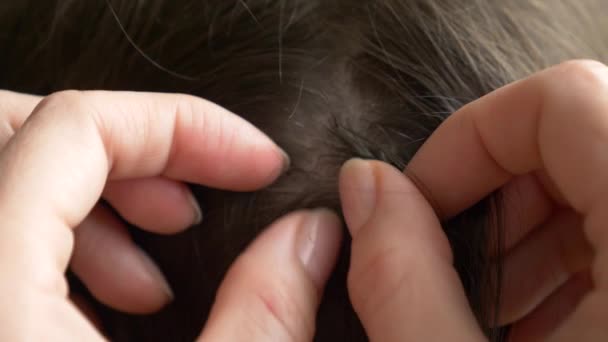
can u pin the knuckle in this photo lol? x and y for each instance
(75, 111)
(65, 104)
(584, 74)
(187, 107)
(74, 106)
(206, 117)
(577, 86)
(64, 98)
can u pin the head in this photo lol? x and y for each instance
(327, 80)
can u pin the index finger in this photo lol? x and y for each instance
(55, 168)
(555, 120)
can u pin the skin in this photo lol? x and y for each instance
(541, 141)
(543, 137)
(146, 144)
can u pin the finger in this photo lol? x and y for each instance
(14, 110)
(539, 324)
(541, 264)
(168, 210)
(401, 280)
(529, 125)
(555, 121)
(156, 204)
(272, 291)
(47, 177)
(115, 271)
(525, 207)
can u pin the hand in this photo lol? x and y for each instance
(544, 141)
(117, 272)
(135, 149)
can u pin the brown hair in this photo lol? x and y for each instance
(328, 80)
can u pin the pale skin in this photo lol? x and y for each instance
(76, 147)
(541, 140)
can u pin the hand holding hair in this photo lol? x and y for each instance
(543, 140)
(78, 146)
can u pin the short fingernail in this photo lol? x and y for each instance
(358, 193)
(198, 213)
(318, 242)
(157, 276)
(286, 161)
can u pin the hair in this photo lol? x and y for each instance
(328, 80)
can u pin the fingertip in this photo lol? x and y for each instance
(116, 271)
(357, 185)
(318, 242)
(401, 265)
(155, 204)
(282, 273)
(156, 279)
(196, 208)
(271, 162)
(217, 148)
(285, 160)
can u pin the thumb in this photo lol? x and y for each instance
(401, 281)
(272, 291)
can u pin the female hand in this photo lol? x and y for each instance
(135, 149)
(544, 141)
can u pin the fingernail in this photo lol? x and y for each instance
(157, 276)
(286, 161)
(198, 213)
(358, 193)
(318, 242)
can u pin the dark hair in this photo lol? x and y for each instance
(328, 80)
